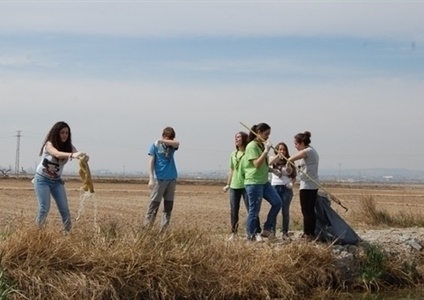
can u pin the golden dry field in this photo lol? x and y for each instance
(193, 260)
(197, 204)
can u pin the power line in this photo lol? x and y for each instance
(18, 144)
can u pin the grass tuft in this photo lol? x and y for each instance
(374, 268)
(6, 288)
(371, 215)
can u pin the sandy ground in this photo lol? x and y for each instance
(200, 205)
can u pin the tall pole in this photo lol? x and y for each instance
(18, 144)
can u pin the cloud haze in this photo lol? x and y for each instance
(118, 72)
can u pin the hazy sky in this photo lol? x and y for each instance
(351, 72)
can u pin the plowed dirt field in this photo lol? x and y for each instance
(200, 204)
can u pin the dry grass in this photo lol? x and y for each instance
(178, 264)
(370, 214)
(118, 260)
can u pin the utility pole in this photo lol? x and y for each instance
(18, 144)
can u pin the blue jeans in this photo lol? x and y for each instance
(286, 196)
(44, 187)
(255, 193)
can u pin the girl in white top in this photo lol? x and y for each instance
(283, 178)
(56, 151)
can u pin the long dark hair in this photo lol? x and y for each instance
(287, 155)
(282, 162)
(244, 139)
(54, 137)
(244, 142)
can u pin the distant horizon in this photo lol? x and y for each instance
(366, 175)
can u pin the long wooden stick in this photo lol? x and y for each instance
(332, 197)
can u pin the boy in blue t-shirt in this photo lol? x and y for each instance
(162, 177)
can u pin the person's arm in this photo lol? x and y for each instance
(297, 156)
(230, 176)
(273, 159)
(262, 158)
(62, 155)
(151, 168)
(271, 169)
(173, 143)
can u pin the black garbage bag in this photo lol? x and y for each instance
(330, 226)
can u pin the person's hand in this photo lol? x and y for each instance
(225, 188)
(151, 183)
(280, 156)
(289, 185)
(268, 146)
(77, 154)
(277, 172)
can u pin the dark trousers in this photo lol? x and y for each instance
(308, 199)
(235, 198)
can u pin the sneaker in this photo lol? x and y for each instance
(258, 238)
(232, 237)
(272, 237)
(286, 237)
(306, 237)
(266, 233)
